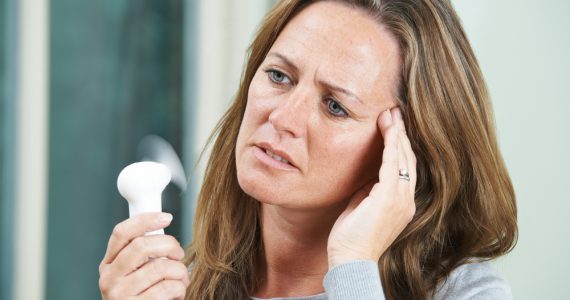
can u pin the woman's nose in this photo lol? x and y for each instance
(291, 115)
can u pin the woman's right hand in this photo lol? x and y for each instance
(128, 270)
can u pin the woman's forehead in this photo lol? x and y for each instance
(343, 45)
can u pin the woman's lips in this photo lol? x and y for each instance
(276, 157)
(272, 160)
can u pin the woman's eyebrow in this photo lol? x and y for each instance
(326, 84)
(342, 90)
(285, 60)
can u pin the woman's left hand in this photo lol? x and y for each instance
(378, 212)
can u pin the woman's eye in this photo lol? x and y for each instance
(335, 109)
(278, 77)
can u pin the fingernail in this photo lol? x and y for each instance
(164, 218)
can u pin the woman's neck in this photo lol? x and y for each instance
(295, 250)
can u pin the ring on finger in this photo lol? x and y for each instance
(404, 174)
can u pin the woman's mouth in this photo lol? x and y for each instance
(272, 160)
(276, 157)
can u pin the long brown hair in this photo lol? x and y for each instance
(465, 203)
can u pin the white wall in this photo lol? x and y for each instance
(31, 150)
(226, 29)
(523, 48)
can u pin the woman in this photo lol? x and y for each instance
(358, 161)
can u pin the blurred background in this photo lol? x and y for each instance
(82, 83)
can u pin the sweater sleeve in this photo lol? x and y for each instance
(355, 280)
(360, 280)
(474, 281)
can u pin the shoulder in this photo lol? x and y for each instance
(474, 280)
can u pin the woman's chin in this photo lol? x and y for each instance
(285, 197)
(264, 193)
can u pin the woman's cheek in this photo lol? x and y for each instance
(260, 87)
(356, 154)
(261, 102)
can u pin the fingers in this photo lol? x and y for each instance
(398, 153)
(166, 289)
(131, 228)
(402, 159)
(360, 195)
(384, 122)
(142, 249)
(407, 150)
(390, 156)
(155, 271)
(370, 224)
(127, 268)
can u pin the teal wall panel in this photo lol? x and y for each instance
(8, 43)
(116, 76)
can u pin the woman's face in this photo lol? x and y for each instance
(314, 102)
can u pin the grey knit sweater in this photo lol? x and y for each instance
(360, 280)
